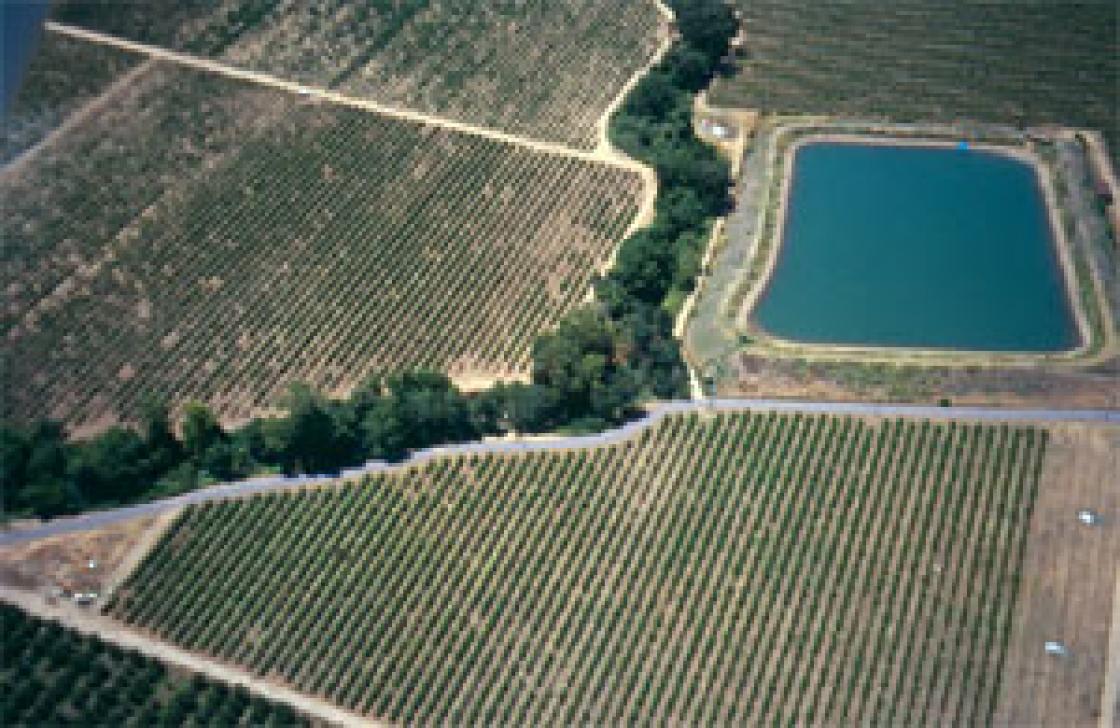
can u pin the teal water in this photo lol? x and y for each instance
(917, 247)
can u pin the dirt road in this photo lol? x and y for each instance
(93, 624)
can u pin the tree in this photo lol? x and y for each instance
(33, 470)
(529, 407)
(164, 451)
(579, 364)
(680, 209)
(112, 467)
(652, 96)
(200, 429)
(706, 26)
(645, 265)
(304, 440)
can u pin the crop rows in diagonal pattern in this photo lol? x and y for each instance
(547, 69)
(1019, 64)
(322, 245)
(716, 569)
(64, 75)
(52, 675)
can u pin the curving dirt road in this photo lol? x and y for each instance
(601, 156)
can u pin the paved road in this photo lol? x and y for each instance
(251, 486)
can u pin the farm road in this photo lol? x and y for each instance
(602, 155)
(244, 488)
(91, 623)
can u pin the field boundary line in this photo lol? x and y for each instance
(604, 155)
(654, 414)
(602, 126)
(314, 92)
(1110, 694)
(74, 118)
(607, 151)
(115, 633)
(143, 546)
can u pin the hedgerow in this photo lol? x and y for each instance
(592, 370)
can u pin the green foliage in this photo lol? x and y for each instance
(591, 371)
(743, 545)
(580, 363)
(51, 675)
(200, 430)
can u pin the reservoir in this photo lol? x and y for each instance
(907, 246)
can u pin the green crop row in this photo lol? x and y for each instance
(51, 675)
(723, 569)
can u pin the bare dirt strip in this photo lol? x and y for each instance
(103, 628)
(604, 156)
(1068, 586)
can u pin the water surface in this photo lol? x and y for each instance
(917, 247)
(20, 24)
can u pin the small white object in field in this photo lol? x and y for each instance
(1056, 648)
(717, 129)
(1088, 517)
(92, 564)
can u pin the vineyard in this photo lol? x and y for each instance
(51, 675)
(64, 209)
(64, 75)
(522, 67)
(731, 569)
(1023, 63)
(323, 244)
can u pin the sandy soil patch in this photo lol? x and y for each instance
(92, 561)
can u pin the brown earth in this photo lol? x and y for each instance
(1037, 386)
(1068, 586)
(88, 561)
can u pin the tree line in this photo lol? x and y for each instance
(592, 371)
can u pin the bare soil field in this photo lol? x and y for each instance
(1068, 586)
(64, 562)
(1038, 386)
